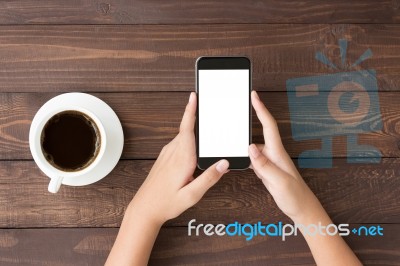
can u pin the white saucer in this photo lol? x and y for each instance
(112, 126)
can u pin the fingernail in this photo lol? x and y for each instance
(256, 94)
(222, 166)
(191, 97)
(254, 151)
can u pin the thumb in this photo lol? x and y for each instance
(264, 168)
(195, 190)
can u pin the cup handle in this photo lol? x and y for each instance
(55, 184)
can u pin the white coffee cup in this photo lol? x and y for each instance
(56, 175)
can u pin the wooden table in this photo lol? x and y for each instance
(139, 57)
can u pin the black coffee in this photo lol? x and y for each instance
(70, 141)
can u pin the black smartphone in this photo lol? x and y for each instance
(223, 124)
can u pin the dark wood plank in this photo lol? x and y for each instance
(56, 246)
(162, 58)
(350, 193)
(178, 12)
(174, 247)
(151, 120)
(91, 246)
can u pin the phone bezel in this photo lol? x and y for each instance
(224, 62)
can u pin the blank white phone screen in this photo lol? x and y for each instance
(223, 112)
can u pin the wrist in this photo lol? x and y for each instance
(312, 217)
(137, 214)
(312, 214)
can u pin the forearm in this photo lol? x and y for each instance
(326, 249)
(135, 239)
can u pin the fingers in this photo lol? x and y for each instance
(274, 148)
(195, 190)
(189, 117)
(270, 129)
(264, 168)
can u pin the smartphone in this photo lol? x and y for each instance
(223, 124)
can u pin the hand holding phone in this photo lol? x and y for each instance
(224, 113)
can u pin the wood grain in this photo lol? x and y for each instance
(190, 12)
(99, 58)
(350, 193)
(91, 246)
(139, 57)
(265, 251)
(151, 120)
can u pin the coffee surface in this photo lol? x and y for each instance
(70, 141)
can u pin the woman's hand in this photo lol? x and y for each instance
(275, 168)
(170, 188)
